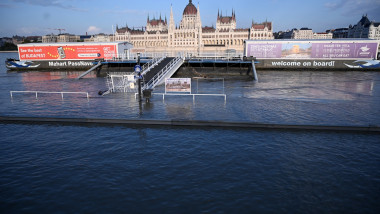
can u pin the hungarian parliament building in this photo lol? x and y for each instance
(190, 37)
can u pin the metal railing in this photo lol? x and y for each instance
(218, 56)
(121, 83)
(159, 76)
(48, 92)
(188, 55)
(151, 64)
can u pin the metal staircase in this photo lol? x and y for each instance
(162, 71)
(154, 73)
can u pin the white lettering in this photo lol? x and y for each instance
(324, 64)
(282, 63)
(305, 64)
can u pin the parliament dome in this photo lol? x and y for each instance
(190, 9)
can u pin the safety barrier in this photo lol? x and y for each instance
(48, 92)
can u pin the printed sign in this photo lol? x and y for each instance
(344, 50)
(67, 52)
(265, 50)
(178, 85)
(313, 50)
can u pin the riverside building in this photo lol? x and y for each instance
(365, 29)
(161, 35)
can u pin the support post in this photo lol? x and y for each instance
(254, 70)
(138, 71)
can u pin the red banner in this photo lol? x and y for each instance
(67, 52)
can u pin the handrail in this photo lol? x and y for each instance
(49, 92)
(151, 64)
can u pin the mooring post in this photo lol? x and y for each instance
(254, 70)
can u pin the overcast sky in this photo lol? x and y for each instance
(41, 17)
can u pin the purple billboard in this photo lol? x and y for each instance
(312, 50)
(264, 50)
(344, 50)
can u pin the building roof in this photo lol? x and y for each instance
(364, 20)
(208, 29)
(226, 19)
(190, 9)
(156, 22)
(262, 26)
(127, 29)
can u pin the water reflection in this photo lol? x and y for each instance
(312, 86)
(178, 107)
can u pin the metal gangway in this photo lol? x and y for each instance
(164, 73)
(153, 73)
(151, 64)
(125, 83)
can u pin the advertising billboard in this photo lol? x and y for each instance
(67, 52)
(178, 85)
(312, 50)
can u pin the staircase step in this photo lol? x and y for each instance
(148, 76)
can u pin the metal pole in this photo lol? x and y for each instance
(254, 71)
(223, 87)
(139, 74)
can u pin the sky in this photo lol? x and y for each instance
(42, 17)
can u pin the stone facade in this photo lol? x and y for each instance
(100, 38)
(51, 38)
(323, 35)
(303, 33)
(190, 36)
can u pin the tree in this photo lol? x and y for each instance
(8, 47)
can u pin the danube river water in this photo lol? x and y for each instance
(117, 169)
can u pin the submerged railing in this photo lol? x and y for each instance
(48, 92)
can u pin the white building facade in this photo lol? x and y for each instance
(51, 38)
(190, 37)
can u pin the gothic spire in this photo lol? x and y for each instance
(171, 20)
